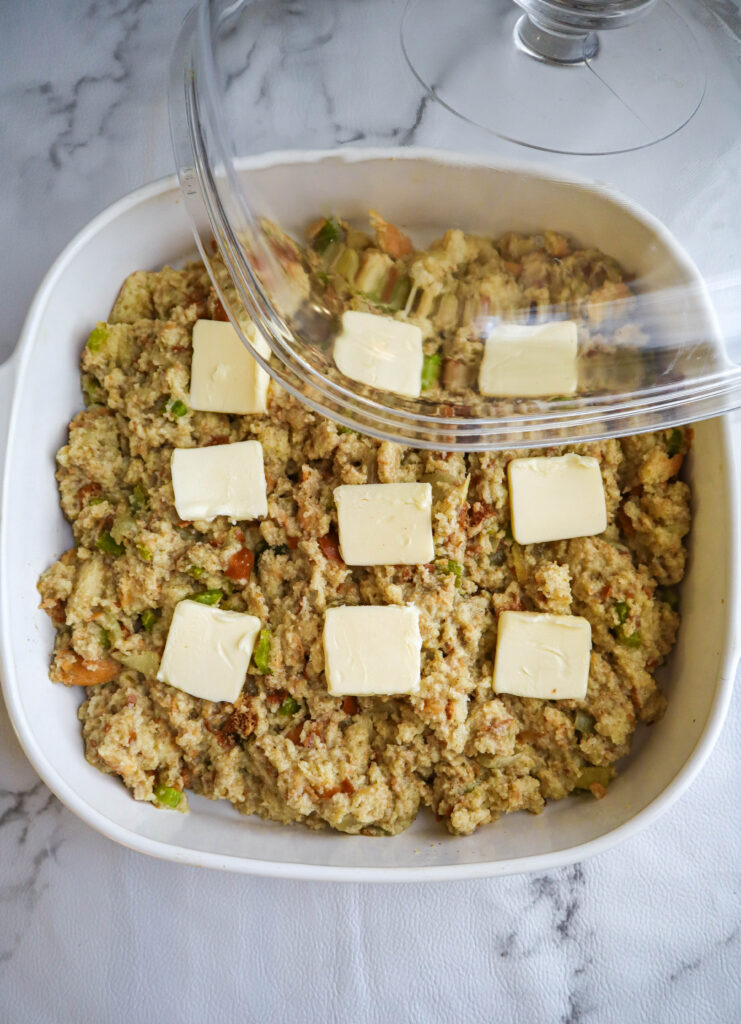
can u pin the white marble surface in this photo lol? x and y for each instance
(90, 931)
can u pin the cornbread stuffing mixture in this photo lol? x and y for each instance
(286, 749)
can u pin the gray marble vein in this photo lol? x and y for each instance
(91, 931)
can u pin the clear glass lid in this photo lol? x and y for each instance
(475, 225)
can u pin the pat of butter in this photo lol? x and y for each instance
(208, 651)
(372, 649)
(380, 351)
(542, 656)
(530, 360)
(223, 480)
(224, 377)
(385, 524)
(556, 498)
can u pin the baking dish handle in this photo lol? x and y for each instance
(7, 383)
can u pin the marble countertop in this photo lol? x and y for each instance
(91, 931)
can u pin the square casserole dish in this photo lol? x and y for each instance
(148, 229)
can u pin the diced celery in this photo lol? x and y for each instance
(108, 545)
(207, 596)
(583, 722)
(431, 370)
(347, 265)
(138, 499)
(452, 568)
(112, 630)
(674, 444)
(167, 796)
(329, 232)
(400, 293)
(92, 390)
(147, 662)
(177, 408)
(97, 338)
(261, 654)
(332, 254)
(149, 619)
(628, 639)
(622, 611)
(289, 707)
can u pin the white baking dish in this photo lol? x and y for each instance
(149, 228)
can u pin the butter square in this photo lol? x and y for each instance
(208, 651)
(385, 524)
(542, 656)
(380, 351)
(222, 480)
(224, 377)
(555, 498)
(372, 649)
(530, 360)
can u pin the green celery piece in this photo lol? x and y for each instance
(167, 796)
(400, 293)
(431, 370)
(347, 265)
(97, 339)
(108, 545)
(207, 597)
(328, 233)
(91, 390)
(674, 443)
(629, 639)
(622, 611)
(261, 654)
(332, 254)
(289, 707)
(583, 722)
(149, 619)
(147, 663)
(177, 408)
(138, 499)
(454, 568)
